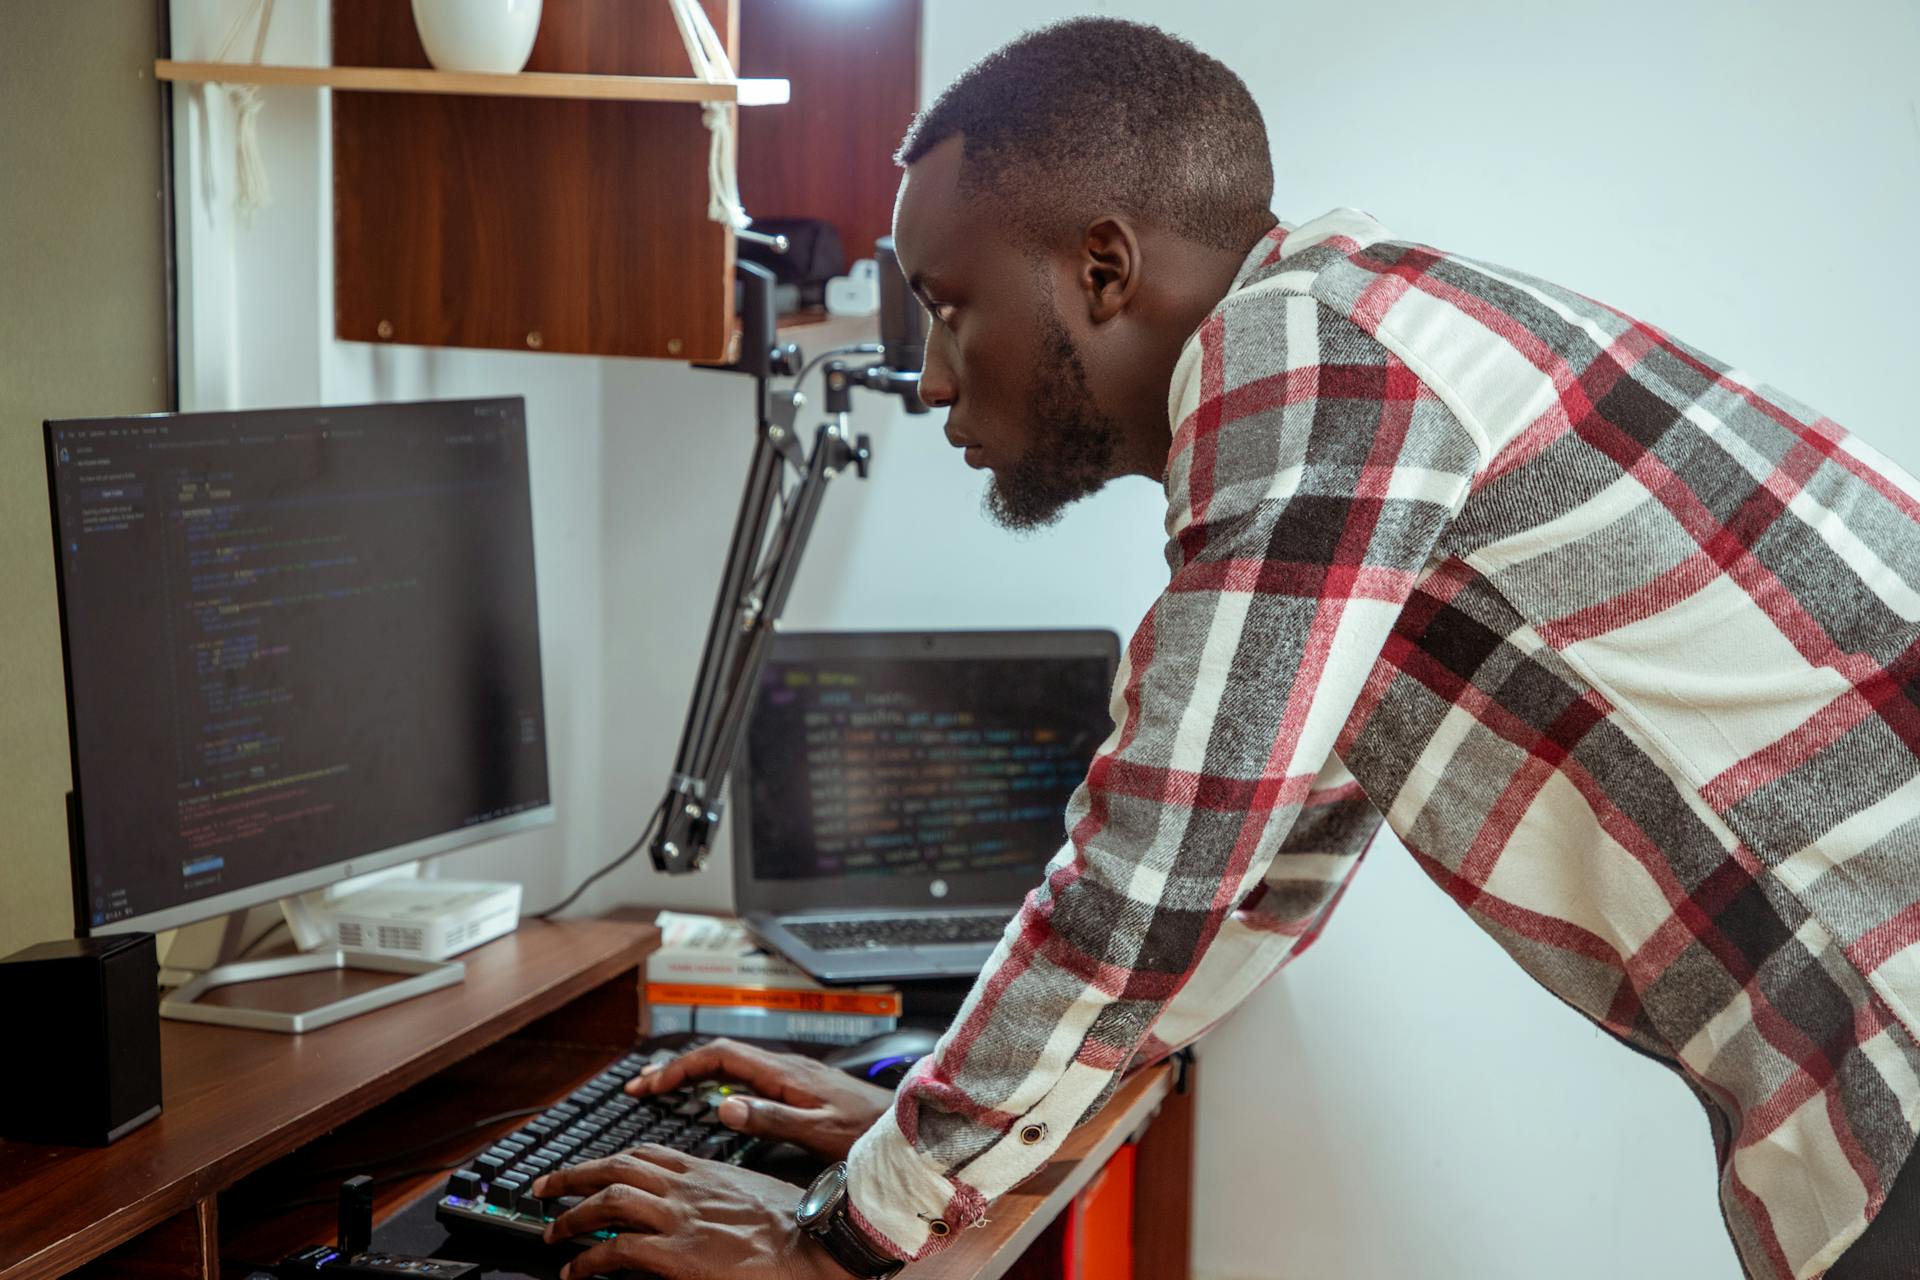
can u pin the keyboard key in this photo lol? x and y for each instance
(464, 1184)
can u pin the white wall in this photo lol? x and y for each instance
(1404, 1102)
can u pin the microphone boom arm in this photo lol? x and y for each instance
(763, 557)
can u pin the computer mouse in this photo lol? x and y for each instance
(886, 1058)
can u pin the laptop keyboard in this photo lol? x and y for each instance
(870, 933)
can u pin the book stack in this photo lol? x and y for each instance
(710, 976)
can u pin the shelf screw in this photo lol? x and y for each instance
(534, 339)
(384, 328)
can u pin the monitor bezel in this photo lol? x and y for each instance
(754, 894)
(267, 891)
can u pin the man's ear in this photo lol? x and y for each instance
(1109, 267)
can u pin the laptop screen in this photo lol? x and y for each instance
(891, 756)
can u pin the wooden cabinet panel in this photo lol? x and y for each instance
(529, 224)
(828, 153)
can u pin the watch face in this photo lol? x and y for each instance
(823, 1196)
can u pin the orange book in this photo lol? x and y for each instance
(884, 1004)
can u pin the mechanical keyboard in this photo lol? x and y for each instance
(493, 1192)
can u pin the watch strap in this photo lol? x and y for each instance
(850, 1248)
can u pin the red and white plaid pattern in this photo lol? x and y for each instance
(1622, 644)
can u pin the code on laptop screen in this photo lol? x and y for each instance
(919, 766)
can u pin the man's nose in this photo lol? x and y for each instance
(938, 390)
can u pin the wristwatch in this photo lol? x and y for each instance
(822, 1214)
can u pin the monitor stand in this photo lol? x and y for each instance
(424, 976)
(432, 918)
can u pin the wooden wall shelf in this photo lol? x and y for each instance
(561, 225)
(565, 209)
(828, 154)
(527, 84)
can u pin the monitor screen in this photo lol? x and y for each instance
(300, 644)
(879, 756)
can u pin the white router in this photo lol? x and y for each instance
(406, 918)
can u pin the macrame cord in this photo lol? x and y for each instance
(252, 192)
(709, 59)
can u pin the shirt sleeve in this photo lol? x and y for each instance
(1310, 479)
(1280, 919)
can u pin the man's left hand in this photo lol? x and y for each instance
(684, 1219)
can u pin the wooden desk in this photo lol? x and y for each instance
(1147, 1108)
(253, 1121)
(236, 1102)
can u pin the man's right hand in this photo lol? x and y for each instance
(801, 1101)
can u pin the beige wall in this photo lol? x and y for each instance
(82, 332)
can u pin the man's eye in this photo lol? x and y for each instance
(942, 312)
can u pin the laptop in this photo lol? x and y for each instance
(899, 793)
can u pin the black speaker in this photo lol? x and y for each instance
(84, 1065)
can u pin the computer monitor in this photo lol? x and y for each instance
(300, 645)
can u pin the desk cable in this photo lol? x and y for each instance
(334, 1171)
(650, 829)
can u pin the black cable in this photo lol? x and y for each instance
(780, 488)
(360, 1166)
(780, 491)
(395, 1176)
(265, 933)
(765, 575)
(856, 348)
(646, 834)
(851, 349)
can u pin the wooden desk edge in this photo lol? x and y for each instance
(56, 1257)
(327, 1114)
(1089, 1149)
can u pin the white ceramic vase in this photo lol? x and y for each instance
(477, 35)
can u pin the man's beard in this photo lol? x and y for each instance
(1070, 443)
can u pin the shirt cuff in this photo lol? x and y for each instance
(903, 1204)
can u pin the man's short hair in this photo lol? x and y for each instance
(1097, 115)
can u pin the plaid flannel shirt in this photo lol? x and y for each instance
(1620, 642)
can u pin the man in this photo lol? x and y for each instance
(1622, 645)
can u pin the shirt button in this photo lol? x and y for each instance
(1033, 1133)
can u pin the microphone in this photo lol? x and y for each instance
(903, 328)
